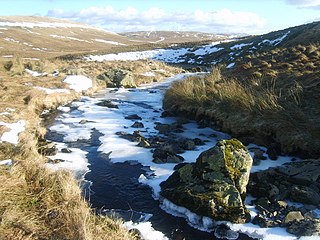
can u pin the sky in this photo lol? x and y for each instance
(215, 16)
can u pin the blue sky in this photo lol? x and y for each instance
(224, 16)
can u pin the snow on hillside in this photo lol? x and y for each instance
(276, 41)
(178, 55)
(50, 25)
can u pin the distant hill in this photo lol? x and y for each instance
(48, 37)
(174, 36)
(228, 52)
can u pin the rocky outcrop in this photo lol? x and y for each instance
(214, 186)
(297, 181)
(118, 78)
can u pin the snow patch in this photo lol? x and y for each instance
(35, 74)
(13, 135)
(231, 65)
(49, 25)
(240, 46)
(146, 230)
(78, 82)
(148, 74)
(275, 42)
(75, 161)
(109, 42)
(7, 162)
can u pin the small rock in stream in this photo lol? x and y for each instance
(66, 150)
(133, 117)
(107, 103)
(137, 125)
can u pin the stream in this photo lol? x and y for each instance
(119, 178)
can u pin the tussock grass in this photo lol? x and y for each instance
(214, 90)
(265, 110)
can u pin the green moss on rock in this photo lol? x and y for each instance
(215, 185)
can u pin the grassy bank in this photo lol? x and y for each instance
(35, 202)
(260, 110)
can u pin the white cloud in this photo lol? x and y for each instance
(305, 3)
(131, 19)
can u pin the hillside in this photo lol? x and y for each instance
(38, 37)
(172, 37)
(264, 89)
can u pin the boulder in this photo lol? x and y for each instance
(118, 78)
(305, 228)
(214, 186)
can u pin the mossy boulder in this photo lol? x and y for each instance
(118, 78)
(214, 186)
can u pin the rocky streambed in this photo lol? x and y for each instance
(164, 174)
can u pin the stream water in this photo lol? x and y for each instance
(120, 178)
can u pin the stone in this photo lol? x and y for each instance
(169, 128)
(305, 228)
(137, 125)
(214, 186)
(258, 153)
(298, 181)
(55, 161)
(198, 142)
(264, 222)
(144, 143)
(166, 154)
(304, 194)
(274, 151)
(66, 150)
(108, 104)
(188, 145)
(293, 216)
(133, 117)
(46, 148)
(115, 78)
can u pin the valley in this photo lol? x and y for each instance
(82, 107)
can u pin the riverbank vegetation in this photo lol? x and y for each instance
(262, 99)
(37, 203)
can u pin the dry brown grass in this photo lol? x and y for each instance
(36, 203)
(215, 90)
(262, 110)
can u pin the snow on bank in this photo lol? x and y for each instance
(78, 83)
(35, 74)
(74, 161)
(208, 225)
(7, 162)
(13, 135)
(146, 230)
